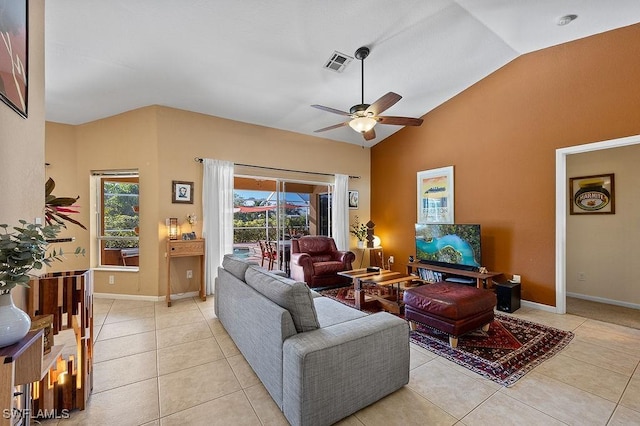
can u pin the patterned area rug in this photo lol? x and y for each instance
(510, 349)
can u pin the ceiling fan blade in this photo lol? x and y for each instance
(335, 126)
(371, 134)
(384, 103)
(400, 121)
(333, 110)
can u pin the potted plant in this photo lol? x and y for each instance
(22, 249)
(359, 230)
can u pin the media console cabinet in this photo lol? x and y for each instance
(483, 280)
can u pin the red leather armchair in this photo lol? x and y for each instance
(316, 261)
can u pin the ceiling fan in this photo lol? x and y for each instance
(365, 116)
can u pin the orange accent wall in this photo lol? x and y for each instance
(501, 136)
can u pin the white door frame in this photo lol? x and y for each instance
(561, 209)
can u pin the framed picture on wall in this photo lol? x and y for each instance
(181, 192)
(353, 199)
(435, 195)
(13, 55)
(592, 194)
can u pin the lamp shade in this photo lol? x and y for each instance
(362, 124)
(173, 228)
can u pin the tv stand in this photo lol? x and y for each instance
(483, 280)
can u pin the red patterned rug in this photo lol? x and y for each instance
(510, 349)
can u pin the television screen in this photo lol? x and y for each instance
(450, 245)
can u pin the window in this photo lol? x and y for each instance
(118, 220)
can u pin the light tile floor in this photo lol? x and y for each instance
(156, 365)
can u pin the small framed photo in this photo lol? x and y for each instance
(353, 199)
(189, 236)
(592, 194)
(181, 192)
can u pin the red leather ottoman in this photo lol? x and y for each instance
(452, 308)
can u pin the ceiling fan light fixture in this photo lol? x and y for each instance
(362, 124)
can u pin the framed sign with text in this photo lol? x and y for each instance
(435, 196)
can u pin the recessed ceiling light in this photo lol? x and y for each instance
(566, 19)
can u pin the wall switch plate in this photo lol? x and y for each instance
(189, 273)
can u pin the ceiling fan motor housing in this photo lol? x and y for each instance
(360, 110)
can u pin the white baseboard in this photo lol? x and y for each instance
(143, 298)
(604, 300)
(540, 306)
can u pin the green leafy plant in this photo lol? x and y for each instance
(359, 229)
(23, 248)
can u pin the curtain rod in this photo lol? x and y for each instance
(199, 160)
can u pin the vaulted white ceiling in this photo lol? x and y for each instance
(262, 62)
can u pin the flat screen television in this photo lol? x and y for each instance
(450, 245)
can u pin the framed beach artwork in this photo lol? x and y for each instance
(14, 54)
(181, 192)
(435, 195)
(592, 194)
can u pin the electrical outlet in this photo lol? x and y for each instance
(112, 279)
(391, 259)
(582, 276)
(189, 273)
(516, 278)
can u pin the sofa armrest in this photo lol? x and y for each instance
(332, 372)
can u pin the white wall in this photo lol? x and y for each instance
(605, 248)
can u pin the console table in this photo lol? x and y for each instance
(185, 248)
(482, 279)
(20, 364)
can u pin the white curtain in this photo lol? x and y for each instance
(340, 212)
(217, 222)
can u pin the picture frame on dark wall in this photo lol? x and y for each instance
(14, 54)
(181, 192)
(594, 194)
(435, 195)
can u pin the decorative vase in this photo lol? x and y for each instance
(14, 322)
(360, 244)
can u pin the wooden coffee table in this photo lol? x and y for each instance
(382, 277)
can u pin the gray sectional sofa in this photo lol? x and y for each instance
(319, 359)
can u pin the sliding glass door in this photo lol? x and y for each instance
(269, 213)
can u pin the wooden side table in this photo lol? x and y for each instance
(185, 248)
(20, 364)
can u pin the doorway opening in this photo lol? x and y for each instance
(561, 209)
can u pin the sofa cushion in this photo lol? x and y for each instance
(291, 295)
(331, 312)
(236, 266)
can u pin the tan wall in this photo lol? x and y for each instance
(604, 248)
(162, 143)
(61, 157)
(22, 141)
(501, 135)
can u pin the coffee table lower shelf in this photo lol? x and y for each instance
(384, 278)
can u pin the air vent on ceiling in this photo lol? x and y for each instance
(338, 62)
